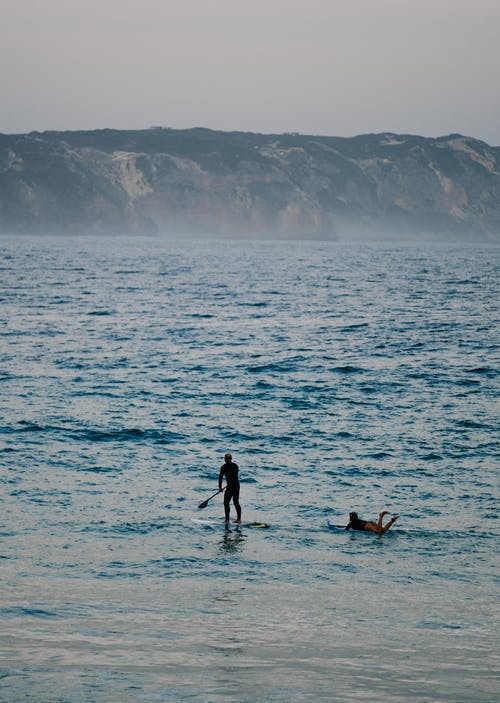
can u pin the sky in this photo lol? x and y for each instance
(331, 67)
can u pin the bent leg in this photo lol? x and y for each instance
(390, 523)
(379, 522)
(377, 526)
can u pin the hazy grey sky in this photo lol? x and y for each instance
(338, 67)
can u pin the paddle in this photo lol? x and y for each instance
(205, 502)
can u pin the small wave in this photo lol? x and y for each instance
(100, 469)
(347, 369)
(261, 384)
(279, 366)
(142, 528)
(428, 625)
(26, 426)
(253, 451)
(463, 282)
(380, 455)
(235, 436)
(355, 472)
(471, 424)
(482, 371)
(119, 571)
(354, 327)
(258, 304)
(132, 434)
(172, 561)
(467, 382)
(28, 612)
(71, 363)
(126, 528)
(312, 387)
(299, 403)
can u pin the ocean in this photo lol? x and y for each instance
(341, 377)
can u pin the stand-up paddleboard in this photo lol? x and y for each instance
(205, 523)
(219, 523)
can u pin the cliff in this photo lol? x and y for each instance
(201, 182)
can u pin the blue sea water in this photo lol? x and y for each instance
(342, 377)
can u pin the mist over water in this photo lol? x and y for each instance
(342, 377)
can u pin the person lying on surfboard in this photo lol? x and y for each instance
(230, 470)
(355, 523)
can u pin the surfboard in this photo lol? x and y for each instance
(333, 526)
(341, 528)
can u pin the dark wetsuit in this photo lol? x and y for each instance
(356, 524)
(230, 471)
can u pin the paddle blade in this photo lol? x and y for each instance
(205, 502)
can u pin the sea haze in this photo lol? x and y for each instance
(342, 377)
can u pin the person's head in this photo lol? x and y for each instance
(353, 516)
(227, 457)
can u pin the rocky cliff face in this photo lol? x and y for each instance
(202, 182)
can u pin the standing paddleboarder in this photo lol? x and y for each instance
(230, 470)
